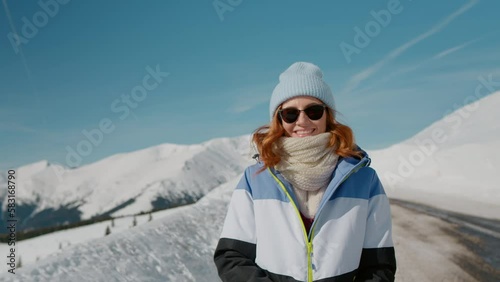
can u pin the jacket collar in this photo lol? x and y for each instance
(345, 168)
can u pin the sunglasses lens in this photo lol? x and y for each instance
(315, 112)
(290, 115)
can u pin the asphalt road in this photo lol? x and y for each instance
(437, 245)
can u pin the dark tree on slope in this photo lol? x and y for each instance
(150, 217)
(134, 222)
(108, 231)
(112, 222)
(19, 263)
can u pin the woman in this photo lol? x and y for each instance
(311, 209)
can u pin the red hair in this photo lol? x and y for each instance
(265, 136)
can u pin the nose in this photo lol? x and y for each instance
(303, 118)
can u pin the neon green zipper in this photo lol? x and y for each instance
(307, 240)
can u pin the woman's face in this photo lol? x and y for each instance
(304, 126)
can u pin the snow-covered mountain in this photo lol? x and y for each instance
(177, 247)
(158, 177)
(452, 164)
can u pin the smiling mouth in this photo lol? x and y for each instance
(302, 133)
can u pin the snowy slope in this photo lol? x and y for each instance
(41, 247)
(452, 164)
(178, 247)
(129, 183)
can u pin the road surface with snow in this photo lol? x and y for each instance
(437, 245)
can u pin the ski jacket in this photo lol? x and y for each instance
(264, 238)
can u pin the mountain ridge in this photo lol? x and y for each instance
(153, 178)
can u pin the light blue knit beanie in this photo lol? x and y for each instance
(301, 79)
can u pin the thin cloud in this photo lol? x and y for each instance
(248, 99)
(463, 75)
(14, 31)
(419, 65)
(435, 57)
(16, 127)
(21, 53)
(453, 49)
(245, 105)
(368, 72)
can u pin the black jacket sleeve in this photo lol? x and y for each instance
(234, 260)
(377, 265)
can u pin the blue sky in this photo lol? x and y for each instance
(74, 61)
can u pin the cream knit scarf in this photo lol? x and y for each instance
(307, 163)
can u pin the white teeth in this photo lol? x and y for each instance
(304, 132)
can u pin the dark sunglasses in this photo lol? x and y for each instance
(290, 115)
